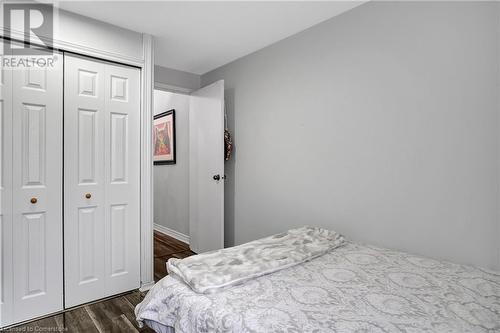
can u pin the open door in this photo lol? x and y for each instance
(206, 168)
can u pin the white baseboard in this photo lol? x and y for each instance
(172, 233)
(146, 286)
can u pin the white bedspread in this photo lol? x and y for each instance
(216, 270)
(352, 288)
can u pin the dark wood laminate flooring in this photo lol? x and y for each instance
(114, 314)
(166, 247)
(110, 315)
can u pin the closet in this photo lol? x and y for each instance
(70, 224)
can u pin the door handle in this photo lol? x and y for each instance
(88, 195)
(218, 177)
(34, 200)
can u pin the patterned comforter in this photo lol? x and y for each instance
(354, 288)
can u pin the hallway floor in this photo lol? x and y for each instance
(166, 247)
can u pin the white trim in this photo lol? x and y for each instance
(147, 275)
(172, 233)
(77, 48)
(105, 55)
(145, 287)
(171, 88)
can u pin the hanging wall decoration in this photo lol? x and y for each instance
(164, 138)
(228, 140)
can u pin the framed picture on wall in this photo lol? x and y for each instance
(164, 138)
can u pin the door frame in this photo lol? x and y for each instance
(146, 64)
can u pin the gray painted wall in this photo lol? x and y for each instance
(381, 123)
(176, 78)
(171, 182)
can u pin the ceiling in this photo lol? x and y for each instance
(200, 36)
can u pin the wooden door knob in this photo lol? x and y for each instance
(34, 200)
(88, 195)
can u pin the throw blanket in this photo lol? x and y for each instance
(216, 270)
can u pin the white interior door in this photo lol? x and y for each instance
(83, 180)
(102, 223)
(37, 191)
(122, 178)
(206, 168)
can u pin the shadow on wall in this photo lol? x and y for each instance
(229, 232)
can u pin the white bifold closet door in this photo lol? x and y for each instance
(32, 160)
(101, 179)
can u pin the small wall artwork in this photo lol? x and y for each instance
(164, 138)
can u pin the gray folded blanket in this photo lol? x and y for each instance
(215, 270)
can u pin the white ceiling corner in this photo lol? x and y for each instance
(198, 37)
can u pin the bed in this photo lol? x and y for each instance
(353, 288)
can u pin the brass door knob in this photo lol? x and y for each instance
(88, 195)
(34, 200)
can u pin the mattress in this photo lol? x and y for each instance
(353, 288)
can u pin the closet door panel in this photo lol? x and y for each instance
(102, 253)
(84, 225)
(6, 295)
(122, 165)
(37, 191)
